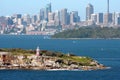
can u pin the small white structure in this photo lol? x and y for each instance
(37, 51)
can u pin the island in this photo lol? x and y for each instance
(45, 60)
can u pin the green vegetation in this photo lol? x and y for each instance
(61, 58)
(90, 32)
(18, 51)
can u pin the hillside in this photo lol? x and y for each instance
(90, 32)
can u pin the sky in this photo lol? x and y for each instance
(9, 7)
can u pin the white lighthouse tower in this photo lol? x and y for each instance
(37, 51)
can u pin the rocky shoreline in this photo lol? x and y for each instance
(45, 60)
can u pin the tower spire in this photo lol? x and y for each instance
(108, 6)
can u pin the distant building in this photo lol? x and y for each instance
(57, 18)
(63, 16)
(100, 18)
(27, 19)
(107, 18)
(47, 10)
(34, 18)
(117, 16)
(17, 16)
(51, 16)
(20, 21)
(89, 11)
(49, 7)
(41, 15)
(74, 18)
(94, 18)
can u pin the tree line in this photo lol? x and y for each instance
(90, 32)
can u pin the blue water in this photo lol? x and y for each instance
(105, 51)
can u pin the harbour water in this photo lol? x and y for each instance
(105, 51)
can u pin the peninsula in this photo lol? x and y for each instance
(45, 60)
(89, 32)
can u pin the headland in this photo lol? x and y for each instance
(45, 60)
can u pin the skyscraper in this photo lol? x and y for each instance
(44, 12)
(63, 16)
(89, 11)
(41, 14)
(108, 16)
(99, 18)
(94, 18)
(57, 18)
(49, 7)
(51, 16)
(47, 10)
(74, 17)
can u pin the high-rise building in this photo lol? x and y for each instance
(100, 18)
(17, 16)
(89, 11)
(74, 17)
(117, 19)
(47, 10)
(108, 18)
(57, 18)
(9, 21)
(20, 21)
(44, 12)
(51, 16)
(41, 14)
(27, 19)
(49, 7)
(94, 18)
(63, 16)
(34, 18)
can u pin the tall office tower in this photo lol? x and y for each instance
(63, 16)
(113, 18)
(27, 19)
(74, 17)
(49, 7)
(100, 18)
(94, 18)
(57, 18)
(68, 18)
(41, 14)
(107, 18)
(9, 21)
(51, 16)
(17, 16)
(46, 13)
(117, 19)
(20, 21)
(34, 18)
(89, 11)
(47, 10)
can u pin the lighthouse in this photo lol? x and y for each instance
(37, 51)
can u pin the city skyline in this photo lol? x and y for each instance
(33, 7)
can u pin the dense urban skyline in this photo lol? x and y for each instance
(32, 7)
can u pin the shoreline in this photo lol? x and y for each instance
(45, 60)
(62, 38)
(87, 38)
(105, 68)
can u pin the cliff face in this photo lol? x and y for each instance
(26, 59)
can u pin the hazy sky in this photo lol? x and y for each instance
(9, 7)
